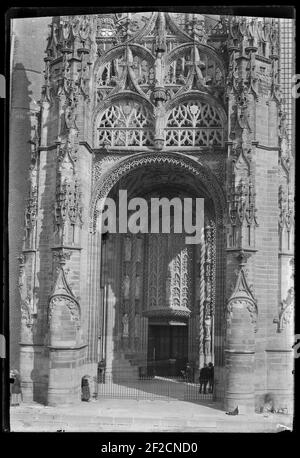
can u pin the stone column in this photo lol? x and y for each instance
(110, 303)
(241, 317)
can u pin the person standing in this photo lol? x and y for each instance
(189, 373)
(101, 371)
(203, 378)
(16, 391)
(85, 389)
(210, 377)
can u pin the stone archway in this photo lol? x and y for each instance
(177, 163)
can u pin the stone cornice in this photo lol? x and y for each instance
(54, 348)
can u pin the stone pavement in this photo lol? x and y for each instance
(116, 415)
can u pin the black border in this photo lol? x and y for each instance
(39, 444)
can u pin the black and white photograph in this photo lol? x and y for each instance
(151, 179)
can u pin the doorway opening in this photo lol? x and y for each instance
(167, 349)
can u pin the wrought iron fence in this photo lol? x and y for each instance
(119, 385)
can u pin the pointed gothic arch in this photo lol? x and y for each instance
(214, 230)
(109, 179)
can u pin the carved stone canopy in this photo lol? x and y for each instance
(176, 161)
(171, 313)
(242, 294)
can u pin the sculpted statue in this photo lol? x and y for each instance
(125, 325)
(207, 334)
(137, 286)
(159, 115)
(70, 117)
(159, 69)
(126, 286)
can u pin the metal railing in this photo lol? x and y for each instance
(120, 385)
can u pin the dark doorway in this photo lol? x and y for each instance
(167, 349)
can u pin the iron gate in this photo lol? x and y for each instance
(154, 387)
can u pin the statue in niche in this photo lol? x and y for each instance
(127, 249)
(70, 115)
(159, 116)
(125, 325)
(137, 286)
(207, 334)
(283, 125)
(126, 286)
(159, 69)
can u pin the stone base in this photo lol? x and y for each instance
(67, 367)
(244, 403)
(280, 378)
(34, 372)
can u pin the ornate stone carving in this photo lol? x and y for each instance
(153, 71)
(286, 312)
(62, 293)
(250, 73)
(27, 299)
(125, 124)
(71, 40)
(194, 124)
(71, 303)
(126, 287)
(241, 200)
(285, 157)
(32, 200)
(176, 160)
(125, 325)
(138, 282)
(67, 207)
(60, 257)
(179, 273)
(67, 154)
(168, 313)
(27, 312)
(102, 164)
(156, 268)
(242, 295)
(286, 208)
(207, 335)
